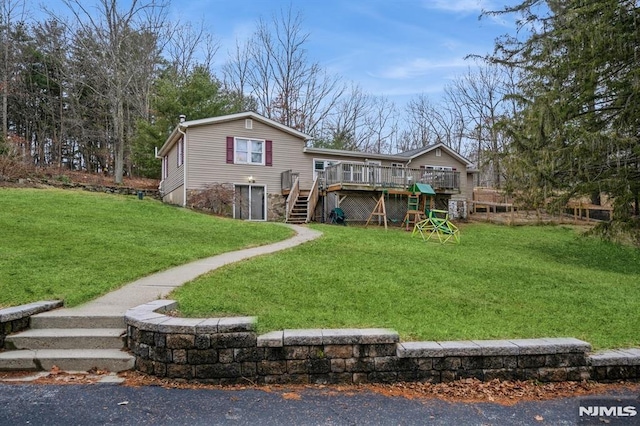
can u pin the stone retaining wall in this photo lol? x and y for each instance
(227, 350)
(120, 190)
(109, 189)
(17, 318)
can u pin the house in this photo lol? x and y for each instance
(274, 175)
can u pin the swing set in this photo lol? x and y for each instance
(427, 221)
(380, 210)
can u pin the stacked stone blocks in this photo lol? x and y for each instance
(17, 318)
(228, 350)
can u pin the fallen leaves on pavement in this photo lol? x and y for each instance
(291, 395)
(466, 390)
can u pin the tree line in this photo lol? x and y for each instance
(551, 114)
(98, 87)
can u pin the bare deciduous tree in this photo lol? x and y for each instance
(346, 127)
(430, 123)
(479, 96)
(188, 46)
(113, 37)
(274, 69)
(382, 125)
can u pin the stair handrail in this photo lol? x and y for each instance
(312, 200)
(292, 197)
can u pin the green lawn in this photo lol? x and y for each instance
(74, 245)
(500, 282)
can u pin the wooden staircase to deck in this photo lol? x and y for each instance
(300, 209)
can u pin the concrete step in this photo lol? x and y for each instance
(53, 319)
(67, 360)
(67, 338)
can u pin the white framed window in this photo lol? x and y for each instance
(397, 170)
(249, 151)
(320, 165)
(180, 152)
(438, 152)
(165, 166)
(248, 124)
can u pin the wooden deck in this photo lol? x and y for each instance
(368, 188)
(362, 177)
(491, 203)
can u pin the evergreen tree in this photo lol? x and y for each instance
(198, 94)
(576, 130)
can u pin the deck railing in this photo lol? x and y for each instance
(346, 173)
(312, 200)
(292, 197)
(287, 178)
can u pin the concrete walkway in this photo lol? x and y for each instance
(160, 284)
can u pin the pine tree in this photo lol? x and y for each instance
(576, 131)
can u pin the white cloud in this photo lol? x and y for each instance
(418, 67)
(467, 6)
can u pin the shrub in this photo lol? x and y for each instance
(216, 198)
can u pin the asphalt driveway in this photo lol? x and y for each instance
(112, 404)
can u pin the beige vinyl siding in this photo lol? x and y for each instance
(207, 157)
(175, 175)
(175, 197)
(445, 160)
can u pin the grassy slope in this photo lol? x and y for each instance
(500, 282)
(78, 245)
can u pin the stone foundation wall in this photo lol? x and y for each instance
(227, 350)
(18, 318)
(276, 205)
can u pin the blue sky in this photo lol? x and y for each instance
(395, 48)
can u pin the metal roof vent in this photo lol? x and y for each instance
(183, 118)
